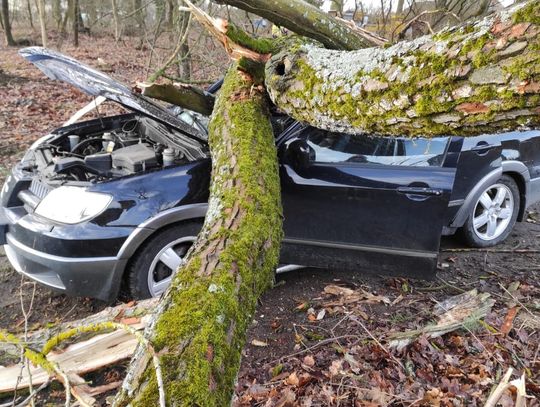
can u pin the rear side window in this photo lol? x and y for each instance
(329, 147)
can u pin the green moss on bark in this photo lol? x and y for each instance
(528, 14)
(260, 45)
(466, 81)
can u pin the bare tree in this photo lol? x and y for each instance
(42, 21)
(57, 13)
(75, 22)
(7, 24)
(116, 20)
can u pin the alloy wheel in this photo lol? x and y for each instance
(493, 212)
(166, 263)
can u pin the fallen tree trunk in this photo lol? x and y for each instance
(481, 77)
(199, 327)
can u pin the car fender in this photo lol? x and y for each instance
(162, 219)
(145, 230)
(490, 178)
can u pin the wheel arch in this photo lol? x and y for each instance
(522, 186)
(515, 169)
(150, 228)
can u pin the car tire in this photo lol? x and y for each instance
(493, 214)
(151, 269)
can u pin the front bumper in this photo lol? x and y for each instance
(78, 267)
(80, 276)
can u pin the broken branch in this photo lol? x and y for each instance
(180, 94)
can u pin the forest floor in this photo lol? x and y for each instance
(319, 337)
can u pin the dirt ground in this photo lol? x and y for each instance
(307, 346)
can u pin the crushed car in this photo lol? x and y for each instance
(117, 201)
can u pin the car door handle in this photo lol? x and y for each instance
(420, 191)
(483, 147)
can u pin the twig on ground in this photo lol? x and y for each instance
(535, 317)
(57, 339)
(23, 360)
(321, 343)
(355, 319)
(31, 396)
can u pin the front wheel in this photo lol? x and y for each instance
(493, 215)
(151, 270)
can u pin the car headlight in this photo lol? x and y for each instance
(72, 205)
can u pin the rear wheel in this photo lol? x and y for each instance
(152, 268)
(493, 215)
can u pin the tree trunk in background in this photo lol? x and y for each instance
(476, 79)
(399, 8)
(7, 24)
(42, 21)
(200, 326)
(139, 14)
(184, 57)
(75, 22)
(116, 19)
(67, 15)
(30, 14)
(57, 13)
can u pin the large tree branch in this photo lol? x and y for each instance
(482, 77)
(307, 20)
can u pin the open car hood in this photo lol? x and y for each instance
(95, 83)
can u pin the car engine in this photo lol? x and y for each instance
(115, 147)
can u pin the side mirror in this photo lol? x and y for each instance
(300, 154)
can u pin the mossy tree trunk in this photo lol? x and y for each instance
(199, 329)
(481, 77)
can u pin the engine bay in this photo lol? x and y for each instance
(108, 148)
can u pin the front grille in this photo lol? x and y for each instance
(39, 188)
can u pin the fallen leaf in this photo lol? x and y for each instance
(509, 320)
(309, 361)
(293, 379)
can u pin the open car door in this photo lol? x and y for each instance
(365, 203)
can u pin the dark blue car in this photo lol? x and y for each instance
(118, 200)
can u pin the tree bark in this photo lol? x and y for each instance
(7, 24)
(180, 94)
(199, 329)
(42, 21)
(116, 19)
(399, 8)
(75, 22)
(30, 17)
(478, 78)
(304, 19)
(57, 13)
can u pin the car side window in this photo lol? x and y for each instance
(330, 147)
